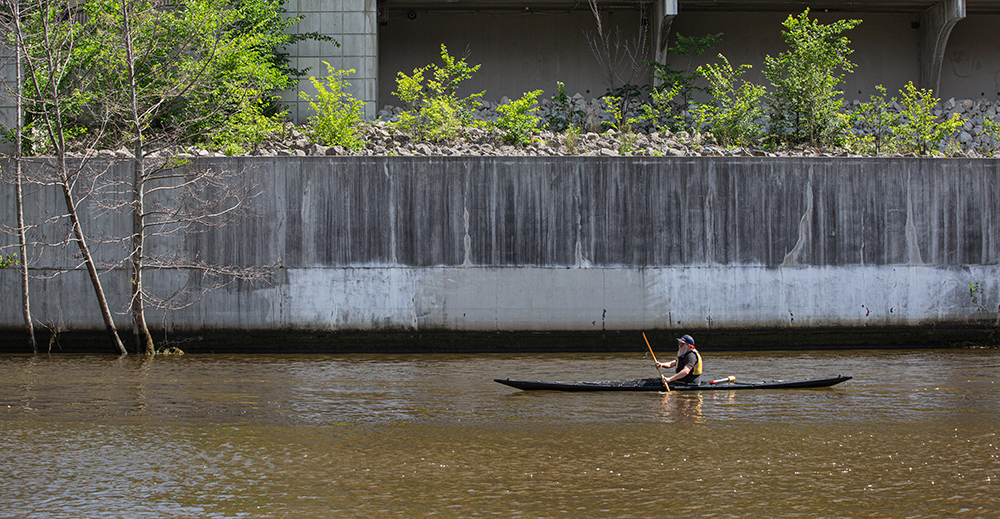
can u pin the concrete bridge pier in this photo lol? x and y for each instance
(664, 12)
(936, 24)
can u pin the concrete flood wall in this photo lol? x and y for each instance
(576, 245)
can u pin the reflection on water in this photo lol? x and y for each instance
(913, 435)
(683, 407)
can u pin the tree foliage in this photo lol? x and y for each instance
(436, 112)
(734, 115)
(805, 103)
(339, 117)
(921, 131)
(217, 62)
(519, 118)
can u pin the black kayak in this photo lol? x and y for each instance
(656, 384)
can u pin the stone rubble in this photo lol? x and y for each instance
(382, 139)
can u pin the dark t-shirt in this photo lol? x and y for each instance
(688, 359)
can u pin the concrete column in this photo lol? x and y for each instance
(353, 24)
(664, 12)
(936, 24)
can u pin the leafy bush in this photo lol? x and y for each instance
(518, 119)
(562, 115)
(875, 123)
(436, 112)
(735, 113)
(660, 110)
(621, 123)
(626, 96)
(921, 131)
(571, 139)
(991, 128)
(247, 129)
(675, 89)
(684, 80)
(339, 117)
(805, 102)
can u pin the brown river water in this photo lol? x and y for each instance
(913, 435)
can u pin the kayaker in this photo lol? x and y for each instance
(687, 364)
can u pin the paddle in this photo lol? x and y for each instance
(664, 379)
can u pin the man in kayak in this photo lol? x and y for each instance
(687, 364)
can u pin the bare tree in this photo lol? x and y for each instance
(622, 61)
(45, 35)
(15, 93)
(150, 75)
(149, 79)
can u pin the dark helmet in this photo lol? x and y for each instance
(687, 339)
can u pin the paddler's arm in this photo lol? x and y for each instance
(667, 364)
(680, 374)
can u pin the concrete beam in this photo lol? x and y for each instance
(936, 24)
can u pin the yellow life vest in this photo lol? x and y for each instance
(696, 370)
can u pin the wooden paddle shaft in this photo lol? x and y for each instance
(664, 379)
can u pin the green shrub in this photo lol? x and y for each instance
(921, 131)
(622, 124)
(991, 128)
(572, 139)
(246, 130)
(436, 112)
(562, 115)
(674, 89)
(875, 125)
(518, 118)
(805, 103)
(339, 117)
(686, 47)
(660, 110)
(735, 113)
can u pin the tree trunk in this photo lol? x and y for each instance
(45, 82)
(25, 299)
(22, 239)
(95, 281)
(143, 339)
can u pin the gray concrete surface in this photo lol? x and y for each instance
(552, 46)
(572, 244)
